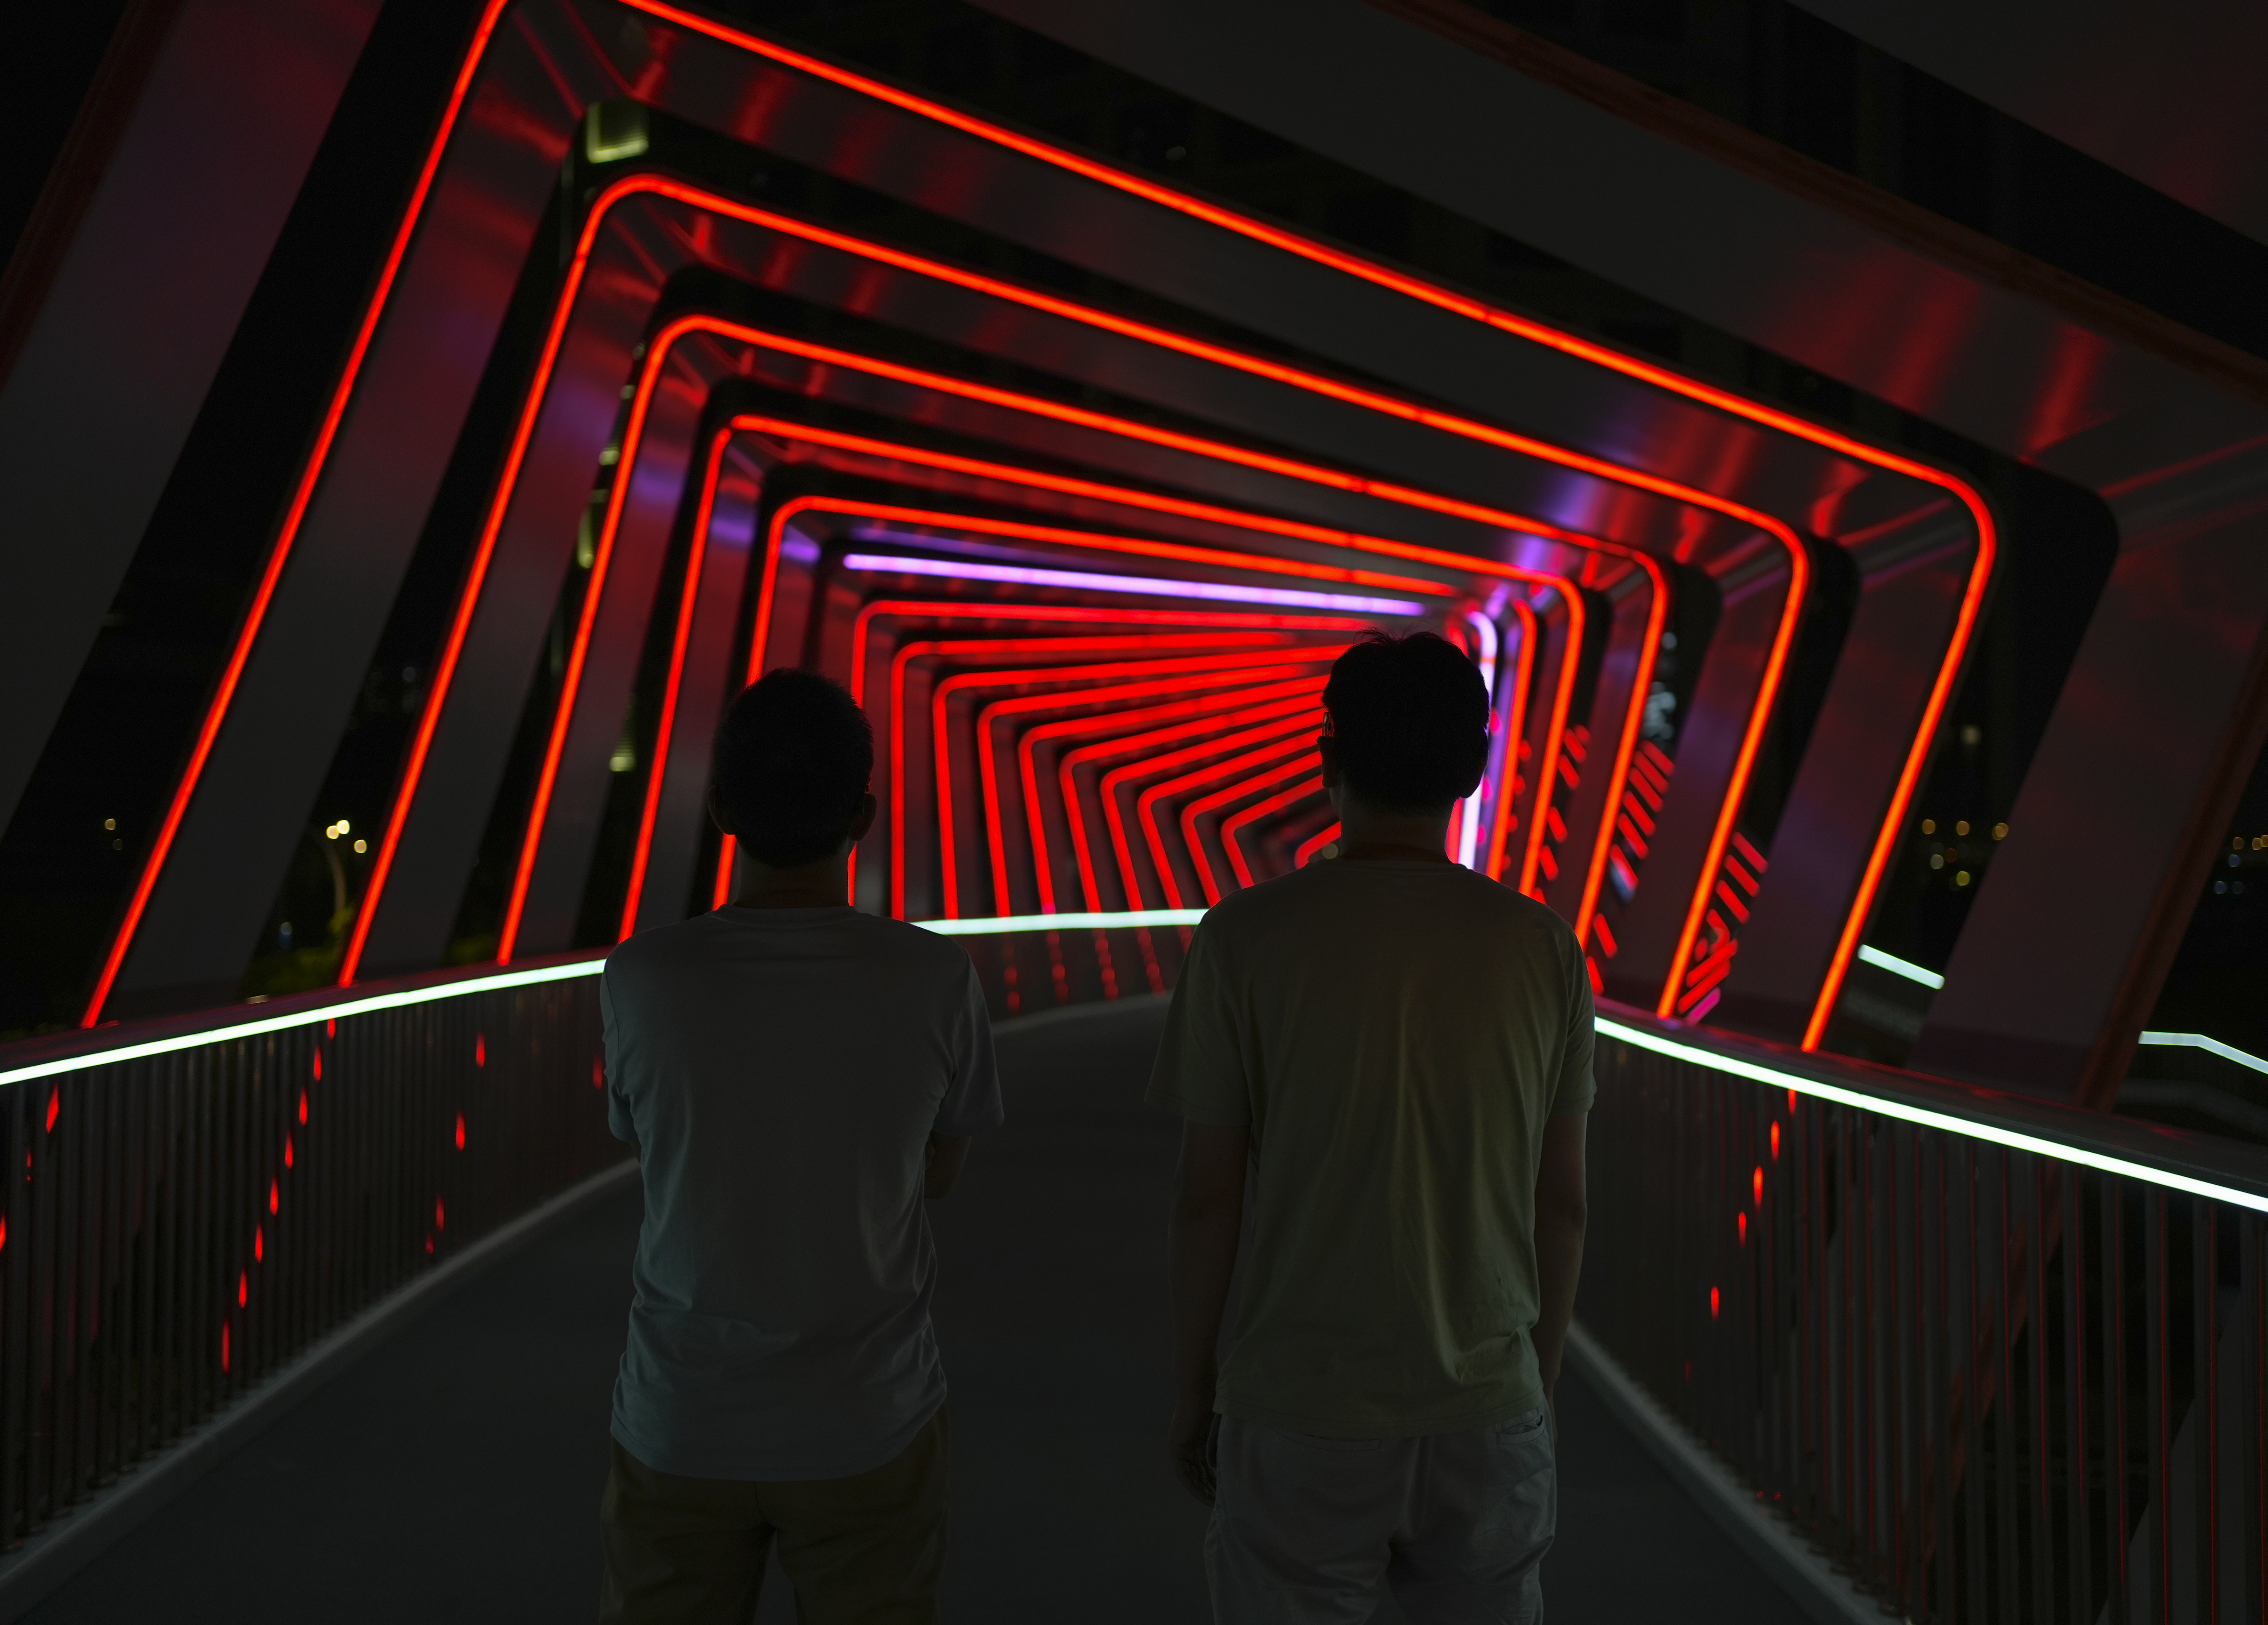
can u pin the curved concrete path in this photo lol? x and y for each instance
(453, 1474)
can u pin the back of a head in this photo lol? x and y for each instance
(1411, 717)
(791, 760)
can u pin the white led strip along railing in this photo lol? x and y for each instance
(1950, 1122)
(1661, 1044)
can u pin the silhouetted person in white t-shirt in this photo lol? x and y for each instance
(1397, 1052)
(797, 1078)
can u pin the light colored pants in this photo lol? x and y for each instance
(1305, 1528)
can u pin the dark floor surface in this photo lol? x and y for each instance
(453, 1474)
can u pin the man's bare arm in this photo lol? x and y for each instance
(1200, 1235)
(944, 1159)
(1560, 1213)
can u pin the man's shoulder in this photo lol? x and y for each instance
(1260, 908)
(907, 943)
(661, 944)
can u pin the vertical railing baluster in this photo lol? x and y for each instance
(1976, 1477)
(2253, 1522)
(2079, 1548)
(1940, 1345)
(2006, 1457)
(2040, 1411)
(2118, 1446)
(16, 1243)
(2205, 1405)
(2157, 1578)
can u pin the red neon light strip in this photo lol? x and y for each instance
(1245, 669)
(1232, 827)
(1216, 672)
(563, 716)
(1203, 804)
(1145, 805)
(1213, 711)
(1116, 778)
(988, 775)
(1260, 666)
(659, 760)
(1515, 731)
(1107, 792)
(1306, 692)
(302, 496)
(1314, 844)
(941, 696)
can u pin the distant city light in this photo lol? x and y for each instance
(1961, 828)
(1999, 832)
(1929, 826)
(362, 846)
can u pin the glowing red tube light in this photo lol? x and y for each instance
(1145, 805)
(1515, 733)
(1196, 809)
(1267, 722)
(1264, 665)
(663, 727)
(1270, 662)
(1213, 711)
(1113, 781)
(1232, 826)
(1224, 669)
(302, 495)
(988, 766)
(1209, 727)
(1315, 844)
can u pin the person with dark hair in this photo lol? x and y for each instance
(1395, 1053)
(797, 1078)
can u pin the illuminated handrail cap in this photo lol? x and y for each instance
(1897, 966)
(2198, 1040)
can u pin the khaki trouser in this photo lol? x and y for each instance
(1305, 1529)
(865, 1550)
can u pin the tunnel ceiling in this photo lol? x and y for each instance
(1080, 481)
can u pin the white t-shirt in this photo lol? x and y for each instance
(781, 1070)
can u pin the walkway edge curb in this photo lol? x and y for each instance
(1806, 1577)
(83, 1533)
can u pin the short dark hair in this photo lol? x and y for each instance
(792, 757)
(1410, 717)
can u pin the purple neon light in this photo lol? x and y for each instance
(1222, 591)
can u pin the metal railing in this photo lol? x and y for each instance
(192, 1204)
(1998, 1359)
